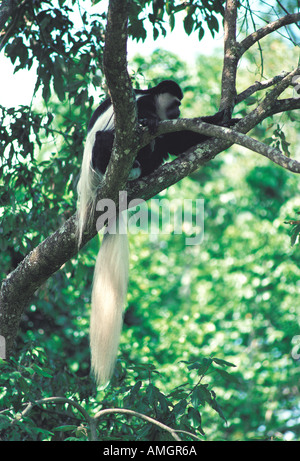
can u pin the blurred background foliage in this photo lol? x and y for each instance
(235, 297)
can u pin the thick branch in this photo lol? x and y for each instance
(20, 285)
(228, 92)
(9, 8)
(266, 30)
(122, 96)
(285, 105)
(234, 137)
(6, 10)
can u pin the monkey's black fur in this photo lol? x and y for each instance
(112, 265)
(151, 109)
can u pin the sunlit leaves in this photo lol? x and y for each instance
(195, 14)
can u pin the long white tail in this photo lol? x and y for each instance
(108, 299)
(87, 186)
(110, 275)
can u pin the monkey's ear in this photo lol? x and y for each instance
(150, 123)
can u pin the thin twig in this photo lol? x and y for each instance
(57, 400)
(258, 86)
(138, 415)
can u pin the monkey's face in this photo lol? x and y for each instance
(167, 106)
(173, 110)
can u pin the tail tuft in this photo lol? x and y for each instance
(108, 299)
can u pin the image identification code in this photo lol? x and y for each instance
(151, 450)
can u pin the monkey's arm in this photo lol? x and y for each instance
(180, 141)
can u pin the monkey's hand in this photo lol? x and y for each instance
(220, 119)
(231, 122)
(150, 123)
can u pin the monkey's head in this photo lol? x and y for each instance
(168, 99)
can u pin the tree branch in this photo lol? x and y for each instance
(7, 9)
(228, 91)
(233, 51)
(20, 285)
(122, 96)
(266, 30)
(285, 105)
(267, 107)
(92, 420)
(258, 86)
(234, 137)
(124, 411)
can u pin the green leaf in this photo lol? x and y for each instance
(136, 388)
(200, 33)
(223, 363)
(198, 397)
(151, 393)
(213, 24)
(203, 394)
(188, 24)
(201, 367)
(195, 419)
(169, 7)
(65, 428)
(214, 404)
(227, 376)
(155, 33)
(179, 408)
(42, 372)
(58, 81)
(46, 85)
(172, 21)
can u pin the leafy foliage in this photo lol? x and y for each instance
(196, 14)
(26, 419)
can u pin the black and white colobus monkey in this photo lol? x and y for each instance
(111, 271)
